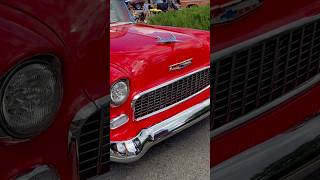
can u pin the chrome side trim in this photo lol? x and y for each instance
(133, 149)
(295, 92)
(162, 85)
(274, 153)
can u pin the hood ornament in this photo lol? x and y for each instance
(171, 39)
(180, 65)
(233, 10)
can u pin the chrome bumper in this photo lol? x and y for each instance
(291, 155)
(133, 149)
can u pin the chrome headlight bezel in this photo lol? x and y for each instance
(122, 82)
(53, 65)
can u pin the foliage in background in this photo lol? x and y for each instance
(194, 17)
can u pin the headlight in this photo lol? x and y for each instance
(119, 92)
(30, 98)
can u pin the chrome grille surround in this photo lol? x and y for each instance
(199, 79)
(299, 67)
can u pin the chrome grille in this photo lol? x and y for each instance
(94, 146)
(254, 76)
(165, 96)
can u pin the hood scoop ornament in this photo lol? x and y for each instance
(169, 40)
(233, 10)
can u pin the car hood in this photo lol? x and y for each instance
(138, 38)
(135, 49)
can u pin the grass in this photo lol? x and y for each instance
(194, 17)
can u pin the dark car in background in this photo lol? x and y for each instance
(137, 4)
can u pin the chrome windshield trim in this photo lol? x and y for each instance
(137, 96)
(120, 23)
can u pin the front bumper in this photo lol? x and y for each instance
(133, 149)
(291, 155)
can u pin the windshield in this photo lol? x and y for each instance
(118, 12)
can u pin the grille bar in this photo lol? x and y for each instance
(94, 145)
(167, 95)
(250, 78)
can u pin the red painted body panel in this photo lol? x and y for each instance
(270, 15)
(146, 64)
(290, 114)
(74, 32)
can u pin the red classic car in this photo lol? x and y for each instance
(53, 85)
(159, 82)
(265, 90)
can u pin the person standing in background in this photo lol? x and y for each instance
(146, 11)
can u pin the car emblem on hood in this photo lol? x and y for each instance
(171, 39)
(233, 10)
(180, 65)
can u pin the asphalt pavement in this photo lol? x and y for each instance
(184, 156)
